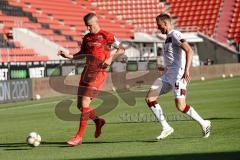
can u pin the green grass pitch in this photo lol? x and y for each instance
(130, 130)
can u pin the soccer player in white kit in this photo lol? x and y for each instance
(177, 55)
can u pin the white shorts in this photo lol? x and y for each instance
(179, 88)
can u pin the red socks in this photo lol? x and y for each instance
(87, 112)
(186, 109)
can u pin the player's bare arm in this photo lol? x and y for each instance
(117, 52)
(64, 54)
(69, 56)
(188, 50)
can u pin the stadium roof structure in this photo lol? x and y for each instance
(192, 37)
(144, 37)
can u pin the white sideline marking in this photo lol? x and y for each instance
(28, 106)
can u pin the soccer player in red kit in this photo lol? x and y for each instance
(96, 48)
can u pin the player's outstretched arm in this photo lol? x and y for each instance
(76, 56)
(189, 53)
(64, 54)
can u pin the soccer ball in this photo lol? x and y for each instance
(38, 97)
(34, 139)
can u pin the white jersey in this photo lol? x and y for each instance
(174, 57)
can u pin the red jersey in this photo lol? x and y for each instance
(96, 47)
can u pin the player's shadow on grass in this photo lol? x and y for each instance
(15, 146)
(64, 144)
(61, 144)
(191, 156)
(221, 118)
(24, 146)
(170, 120)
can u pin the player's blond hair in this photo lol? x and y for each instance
(89, 16)
(164, 17)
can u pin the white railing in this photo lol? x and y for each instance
(40, 44)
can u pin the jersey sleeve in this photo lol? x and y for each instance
(178, 38)
(113, 41)
(83, 46)
(82, 49)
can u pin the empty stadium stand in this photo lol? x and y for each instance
(225, 16)
(195, 15)
(65, 17)
(215, 18)
(61, 20)
(140, 13)
(58, 20)
(234, 30)
(10, 50)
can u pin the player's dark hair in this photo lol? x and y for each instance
(164, 17)
(89, 16)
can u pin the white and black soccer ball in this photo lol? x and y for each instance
(34, 139)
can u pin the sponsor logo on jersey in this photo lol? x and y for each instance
(91, 44)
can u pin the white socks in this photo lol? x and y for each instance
(190, 111)
(194, 115)
(157, 110)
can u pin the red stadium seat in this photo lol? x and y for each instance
(234, 31)
(135, 10)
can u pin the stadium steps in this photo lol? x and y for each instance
(16, 11)
(224, 19)
(20, 55)
(65, 18)
(10, 17)
(234, 30)
(139, 13)
(43, 27)
(198, 15)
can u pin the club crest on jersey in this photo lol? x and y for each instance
(100, 37)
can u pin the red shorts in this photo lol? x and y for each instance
(91, 83)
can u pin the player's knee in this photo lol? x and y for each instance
(81, 104)
(180, 105)
(150, 99)
(183, 108)
(85, 102)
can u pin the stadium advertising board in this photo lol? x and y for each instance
(15, 90)
(68, 70)
(3, 74)
(36, 72)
